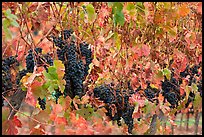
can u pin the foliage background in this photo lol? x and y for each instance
(130, 41)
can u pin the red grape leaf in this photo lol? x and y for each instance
(199, 9)
(17, 122)
(145, 50)
(30, 99)
(136, 115)
(57, 108)
(33, 7)
(12, 130)
(10, 126)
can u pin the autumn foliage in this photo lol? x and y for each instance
(131, 42)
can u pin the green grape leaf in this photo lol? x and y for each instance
(194, 87)
(197, 101)
(5, 113)
(119, 18)
(117, 6)
(60, 68)
(167, 73)
(6, 23)
(117, 41)
(85, 112)
(14, 23)
(61, 84)
(51, 88)
(47, 75)
(159, 74)
(91, 13)
(130, 6)
(110, 4)
(46, 84)
(7, 33)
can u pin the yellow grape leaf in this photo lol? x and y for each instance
(60, 68)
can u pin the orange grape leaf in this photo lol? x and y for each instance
(60, 120)
(184, 10)
(85, 99)
(37, 72)
(96, 62)
(160, 98)
(37, 131)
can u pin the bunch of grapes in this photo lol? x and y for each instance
(151, 92)
(86, 52)
(41, 59)
(121, 101)
(200, 87)
(171, 90)
(67, 33)
(6, 74)
(75, 70)
(193, 73)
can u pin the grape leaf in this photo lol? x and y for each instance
(119, 18)
(5, 113)
(145, 50)
(167, 73)
(197, 103)
(91, 13)
(9, 126)
(86, 112)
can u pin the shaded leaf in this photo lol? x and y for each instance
(119, 18)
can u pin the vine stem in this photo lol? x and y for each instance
(24, 113)
(49, 31)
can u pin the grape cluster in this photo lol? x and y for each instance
(75, 69)
(56, 95)
(171, 90)
(200, 87)
(86, 52)
(193, 73)
(42, 103)
(67, 33)
(41, 59)
(6, 74)
(121, 101)
(151, 92)
(75, 73)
